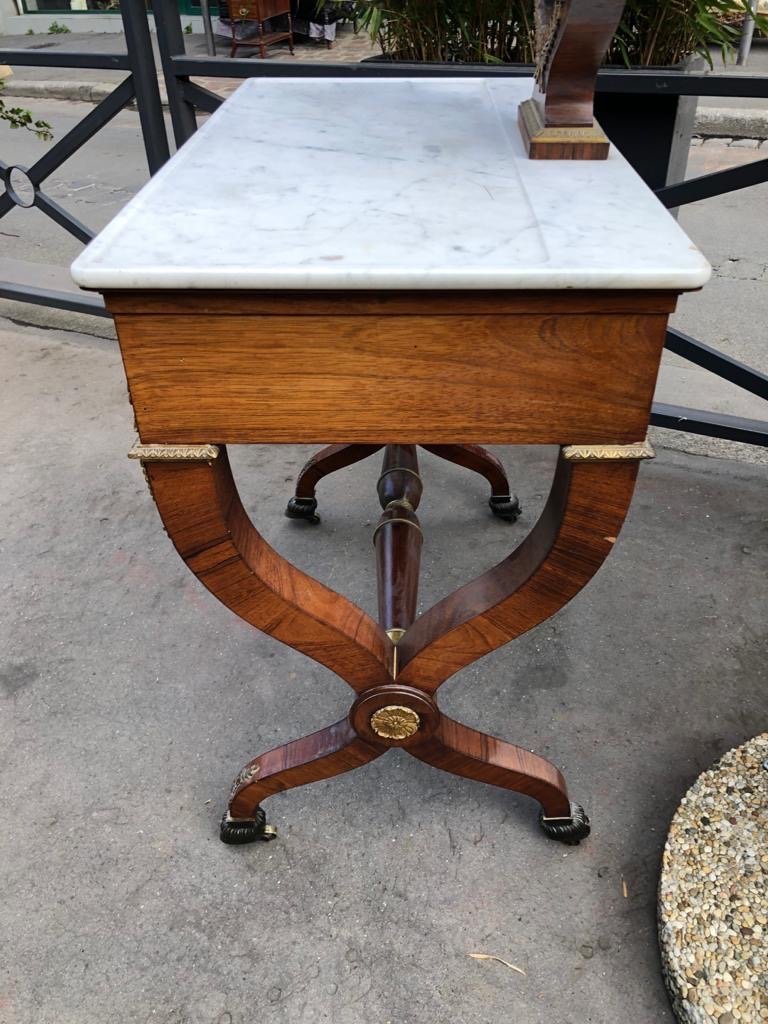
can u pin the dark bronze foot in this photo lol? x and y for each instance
(303, 508)
(505, 506)
(237, 831)
(567, 830)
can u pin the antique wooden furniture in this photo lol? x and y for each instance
(464, 295)
(303, 505)
(242, 14)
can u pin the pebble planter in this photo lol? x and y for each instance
(713, 895)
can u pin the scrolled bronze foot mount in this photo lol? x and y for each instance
(238, 831)
(303, 508)
(397, 665)
(569, 830)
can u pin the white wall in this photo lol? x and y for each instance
(8, 10)
(12, 23)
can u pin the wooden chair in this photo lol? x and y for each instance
(240, 12)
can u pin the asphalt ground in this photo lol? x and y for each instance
(129, 698)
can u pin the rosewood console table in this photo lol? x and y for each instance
(463, 294)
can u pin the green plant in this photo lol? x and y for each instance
(660, 32)
(17, 117)
(665, 33)
(188, 29)
(490, 31)
(55, 29)
(30, 32)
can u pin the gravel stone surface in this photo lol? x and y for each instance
(713, 896)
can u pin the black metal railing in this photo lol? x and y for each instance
(655, 89)
(140, 85)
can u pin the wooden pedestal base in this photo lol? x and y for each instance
(551, 142)
(407, 368)
(397, 665)
(501, 502)
(400, 716)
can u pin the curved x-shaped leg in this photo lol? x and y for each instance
(474, 755)
(205, 519)
(577, 529)
(456, 748)
(322, 755)
(303, 505)
(336, 456)
(502, 502)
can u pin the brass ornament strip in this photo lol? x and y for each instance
(245, 775)
(395, 722)
(174, 452)
(395, 634)
(537, 131)
(608, 452)
(547, 19)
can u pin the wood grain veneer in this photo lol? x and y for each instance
(361, 371)
(558, 377)
(204, 517)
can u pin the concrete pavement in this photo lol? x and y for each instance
(129, 698)
(89, 84)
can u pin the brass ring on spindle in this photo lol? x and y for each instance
(386, 522)
(398, 469)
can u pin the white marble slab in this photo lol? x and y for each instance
(386, 183)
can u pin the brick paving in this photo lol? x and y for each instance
(349, 48)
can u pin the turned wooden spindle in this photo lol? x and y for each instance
(398, 539)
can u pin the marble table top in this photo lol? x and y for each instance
(386, 184)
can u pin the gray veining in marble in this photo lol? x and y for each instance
(389, 184)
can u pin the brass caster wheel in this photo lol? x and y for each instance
(237, 831)
(303, 508)
(505, 506)
(567, 830)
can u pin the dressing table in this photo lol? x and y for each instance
(464, 294)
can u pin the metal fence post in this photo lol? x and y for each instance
(171, 42)
(142, 60)
(210, 41)
(747, 32)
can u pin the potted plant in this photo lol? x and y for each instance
(652, 33)
(653, 131)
